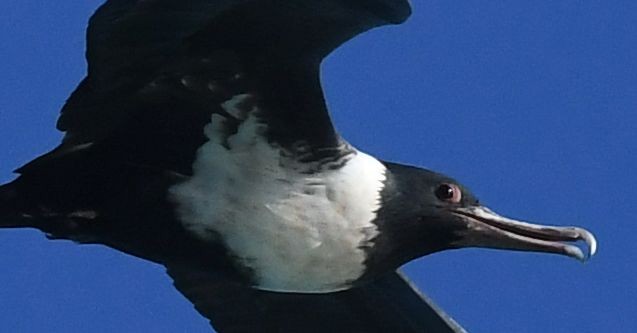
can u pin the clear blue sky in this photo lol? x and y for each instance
(530, 104)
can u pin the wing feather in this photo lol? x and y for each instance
(276, 44)
(390, 304)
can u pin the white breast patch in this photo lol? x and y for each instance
(296, 232)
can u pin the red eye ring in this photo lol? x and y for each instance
(449, 193)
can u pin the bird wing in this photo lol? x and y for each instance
(158, 70)
(389, 304)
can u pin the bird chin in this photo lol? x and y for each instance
(485, 228)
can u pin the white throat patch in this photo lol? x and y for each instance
(297, 232)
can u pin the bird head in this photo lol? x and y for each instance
(423, 212)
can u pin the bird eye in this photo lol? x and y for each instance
(449, 193)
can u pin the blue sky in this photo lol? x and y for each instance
(530, 104)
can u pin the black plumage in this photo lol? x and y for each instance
(157, 71)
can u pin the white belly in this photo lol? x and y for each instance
(295, 231)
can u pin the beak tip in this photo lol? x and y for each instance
(590, 241)
(575, 252)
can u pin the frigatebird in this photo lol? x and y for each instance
(200, 140)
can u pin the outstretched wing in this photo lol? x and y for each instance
(390, 304)
(158, 70)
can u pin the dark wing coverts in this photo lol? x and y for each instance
(164, 66)
(157, 71)
(390, 304)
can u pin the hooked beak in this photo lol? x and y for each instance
(488, 229)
